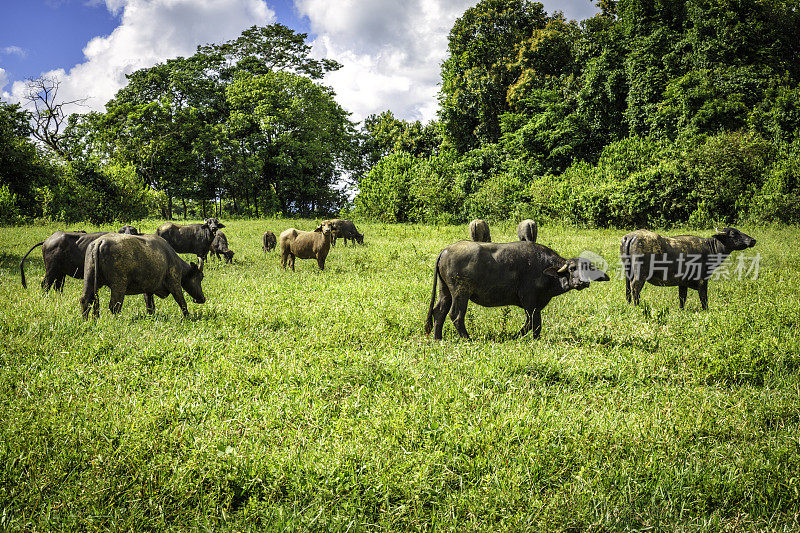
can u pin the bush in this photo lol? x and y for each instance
(384, 193)
(9, 211)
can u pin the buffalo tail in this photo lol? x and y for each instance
(22, 264)
(429, 320)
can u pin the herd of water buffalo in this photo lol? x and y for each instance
(524, 273)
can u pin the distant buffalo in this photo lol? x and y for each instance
(479, 231)
(527, 230)
(686, 261)
(305, 245)
(343, 228)
(269, 241)
(191, 238)
(219, 247)
(128, 230)
(138, 264)
(63, 254)
(520, 273)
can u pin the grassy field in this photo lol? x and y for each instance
(313, 400)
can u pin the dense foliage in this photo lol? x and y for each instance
(648, 114)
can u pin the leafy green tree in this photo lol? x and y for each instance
(294, 133)
(22, 167)
(481, 67)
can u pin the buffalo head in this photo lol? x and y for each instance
(734, 239)
(191, 283)
(576, 274)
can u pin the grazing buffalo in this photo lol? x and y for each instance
(520, 273)
(343, 228)
(128, 230)
(63, 253)
(527, 230)
(479, 231)
(269, 241)
(191, 238)
(306, 245)
(219, 246)
(138, 264)
(686, 260)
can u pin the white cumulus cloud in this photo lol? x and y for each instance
(392, 50)
(3, 82)
(150, 31)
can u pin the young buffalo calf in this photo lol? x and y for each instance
(305, 245)
(269, 241)
(219, 246)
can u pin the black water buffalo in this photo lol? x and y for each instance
(191, 238)
(219, 246)
(63, 253)
(128, 230)
(269, 241)
(520, 273)
(343, 228)
(479, 231)
(686, 260)
(527, 230)
(138, 264)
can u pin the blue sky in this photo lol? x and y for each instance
(391, 49)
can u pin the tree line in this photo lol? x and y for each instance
(651, 113)
(243, 127)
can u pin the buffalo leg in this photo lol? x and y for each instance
(284, 256)
(321, 263)
(117, 296)
(627, 289)
(50, 277)
(149, 303)
(527, 327)
(457, 314)
(536, 323)
(636, 289)
(291, 261)
(177, 292)
(702, 289)
(683, 291)
(59, 283)
(440, 311)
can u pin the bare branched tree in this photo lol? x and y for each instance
(48, 116)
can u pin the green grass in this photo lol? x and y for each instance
(313, 400)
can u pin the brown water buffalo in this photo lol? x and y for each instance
(305, 245)
(191, 238)
(527, 230)
(479, 231)
(138, 264)
(128, 230)
(219, 246)
(343, 228)
(269, 241)
(63, 254)
(685, 261)
(520, 273)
